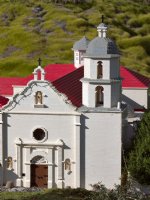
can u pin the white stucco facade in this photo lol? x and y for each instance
(69, 134)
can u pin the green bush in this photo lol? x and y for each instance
(139, 158)
(117, 193)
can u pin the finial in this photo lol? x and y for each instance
(102, 18)
(39, 61)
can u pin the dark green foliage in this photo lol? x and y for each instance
(139, 158)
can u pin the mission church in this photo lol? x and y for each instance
(66, 125)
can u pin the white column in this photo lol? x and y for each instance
(51, 174)
(19, 165)
(43, 76)
(77, 151)
(60, 182)
(35, 76)
(27, 169)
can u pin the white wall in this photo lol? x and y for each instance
(85, 93)
(78, 58)
(137, 98)
(17, 89)
(103, 149)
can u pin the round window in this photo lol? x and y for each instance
(39, 134)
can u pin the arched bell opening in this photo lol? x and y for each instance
(99, 70)
(99, 95)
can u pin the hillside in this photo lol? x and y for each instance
(38, 28)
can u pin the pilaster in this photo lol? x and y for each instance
(77, 151)
(27, 168)
(50, 167)
(19, 165)
(60, 182)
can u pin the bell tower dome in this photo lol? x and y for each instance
(101, 84)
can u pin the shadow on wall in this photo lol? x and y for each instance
(132, 103)
(11, 176)
(6, 176)
(82, 150)
(1, 175)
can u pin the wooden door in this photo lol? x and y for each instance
(39, 176)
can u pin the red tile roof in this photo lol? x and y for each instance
(53, 72)
(132, 79)
(3, 101)
(66, 78)
(71, 86)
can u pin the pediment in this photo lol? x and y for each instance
(40, 96)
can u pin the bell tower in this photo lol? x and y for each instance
(101, 84)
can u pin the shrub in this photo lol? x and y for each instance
(139, 158)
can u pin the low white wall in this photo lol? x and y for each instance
(137, 98)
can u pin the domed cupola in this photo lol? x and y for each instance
(81, 45)
(101, 46)
(79, 49)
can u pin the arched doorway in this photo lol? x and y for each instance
(39, 172)
(99, 95)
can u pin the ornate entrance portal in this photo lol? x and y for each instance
(42, 165)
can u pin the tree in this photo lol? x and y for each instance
(139, 157)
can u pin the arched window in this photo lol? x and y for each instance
(68, 164)
(99, 69)
(38, 97)
(99, 95)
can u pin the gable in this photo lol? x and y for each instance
(29, 99)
